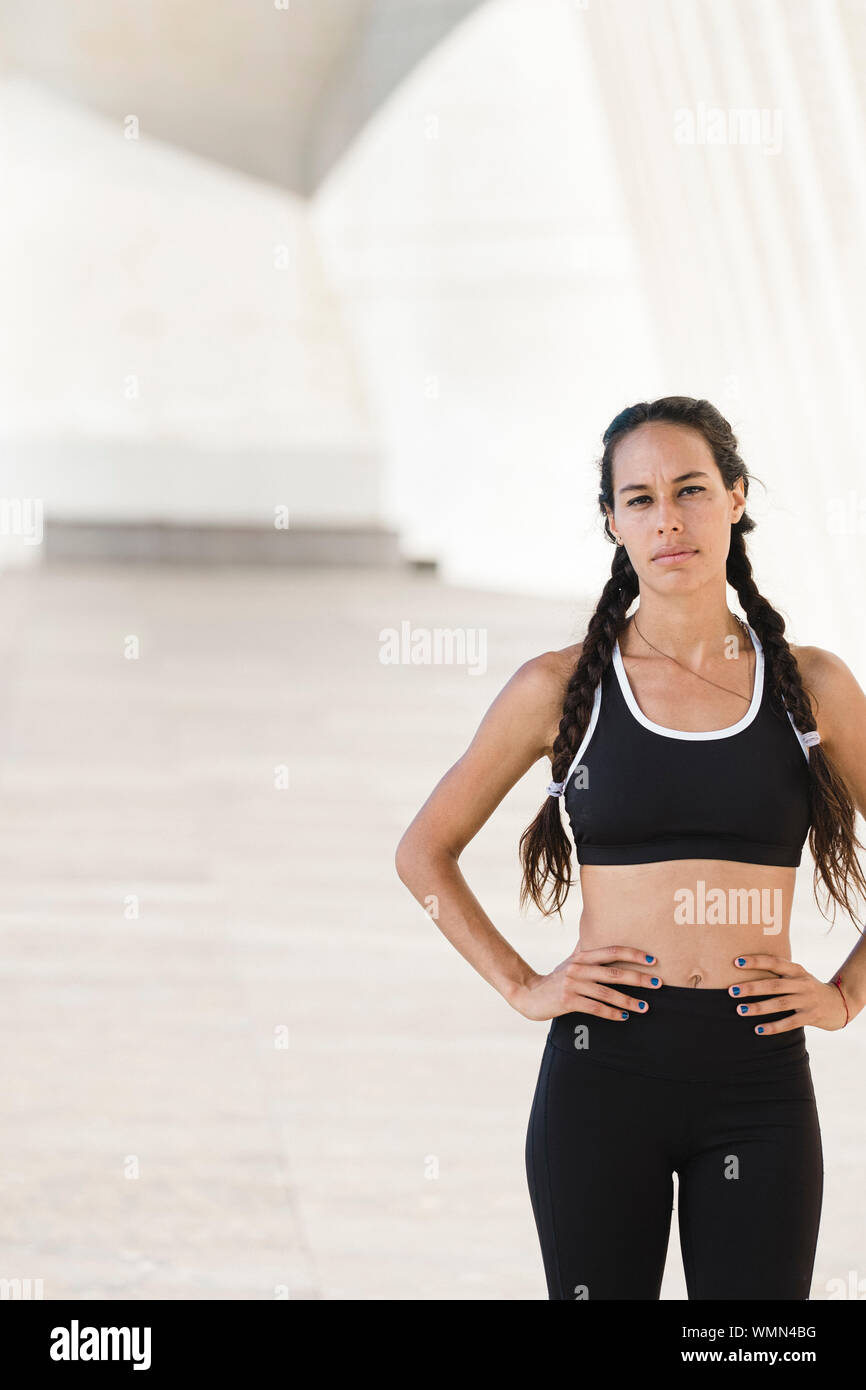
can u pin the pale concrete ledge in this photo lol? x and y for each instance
(162, 542)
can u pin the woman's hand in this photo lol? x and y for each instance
(582, 984)
(815, 1002)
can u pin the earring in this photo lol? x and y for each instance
(619, 540)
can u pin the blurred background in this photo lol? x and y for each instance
(314, 314)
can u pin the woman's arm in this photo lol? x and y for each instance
(841, 721)
(517, 730)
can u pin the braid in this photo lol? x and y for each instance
(832, 840)
(544, 845)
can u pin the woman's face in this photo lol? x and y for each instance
(656, 506)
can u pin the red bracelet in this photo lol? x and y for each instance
(844, 1001)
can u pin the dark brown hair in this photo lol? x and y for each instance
(545, 849)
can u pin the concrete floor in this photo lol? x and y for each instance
(241, 1061)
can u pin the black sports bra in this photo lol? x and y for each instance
(638, 793)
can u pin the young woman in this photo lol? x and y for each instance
(692, 753)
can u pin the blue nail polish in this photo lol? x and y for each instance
(642, 1004)
(741, 960)
(736, 989)
(654, 980)
(624, 1014)
(760, 1030)
(650, 958)
(744, 1008)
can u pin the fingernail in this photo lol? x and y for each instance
(650, 958)
(624, 1014)
(736, 989)
(654, 980)
(642, 1004)
(744, 1008)
(741, 960)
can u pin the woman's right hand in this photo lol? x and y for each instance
(583, 984)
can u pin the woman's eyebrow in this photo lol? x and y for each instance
(642, 487)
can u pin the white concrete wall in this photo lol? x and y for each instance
(477, 232)
(170, 345)
(234, 82)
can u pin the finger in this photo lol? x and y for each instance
(618, 1000)
(785, 1025)
(605, 953)
(752, 987)
(766, 961)
(769, 1006)
(616, 974)
(584, 1005)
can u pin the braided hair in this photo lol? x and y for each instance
(545, 850)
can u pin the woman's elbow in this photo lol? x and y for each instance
(412, 857)
(406, 856)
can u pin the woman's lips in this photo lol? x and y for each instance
(675, 559)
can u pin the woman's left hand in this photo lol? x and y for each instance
(816, 1003)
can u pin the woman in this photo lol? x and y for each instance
(691, 753)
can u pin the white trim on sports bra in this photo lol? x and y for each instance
(680, 733)
(743, 723)
(590, 729)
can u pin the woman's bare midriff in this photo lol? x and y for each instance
(694, 915)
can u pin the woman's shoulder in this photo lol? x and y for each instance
(839, 702)
(820, 669)
(545, 677)
(826, 676)
(552, 670)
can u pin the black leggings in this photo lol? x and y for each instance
(688, 1086)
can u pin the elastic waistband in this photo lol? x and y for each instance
(683, 999)
(686, 1034)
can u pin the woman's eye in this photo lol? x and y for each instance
(692, 487)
